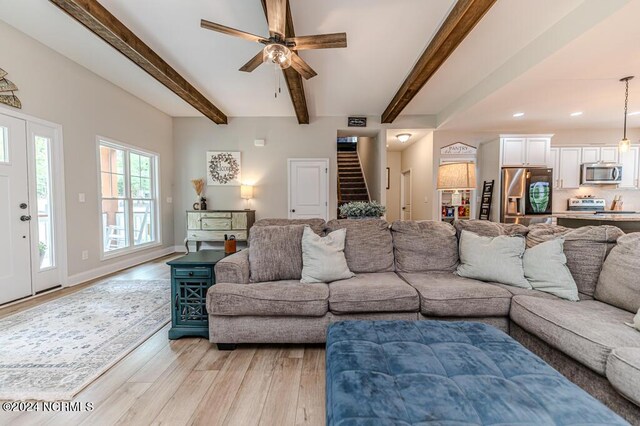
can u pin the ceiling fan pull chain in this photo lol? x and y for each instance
(275, 81)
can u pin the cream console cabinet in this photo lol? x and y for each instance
(213, 225)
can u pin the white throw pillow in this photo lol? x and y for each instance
(497, 259)
(545, 267)
(323, 258)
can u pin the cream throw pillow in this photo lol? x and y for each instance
(497, 259)
(323, 258)
(545, 267)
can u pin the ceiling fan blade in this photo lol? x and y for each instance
(302, 67)
(230, 31)
(277, 17)
(321, 41)
(253, 63)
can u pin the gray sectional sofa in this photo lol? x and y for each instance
(406, 271)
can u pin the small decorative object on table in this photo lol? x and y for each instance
(201, 202)
(362, 210)
(230, 244)
(191, 277)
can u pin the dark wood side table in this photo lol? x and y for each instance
(191, 277)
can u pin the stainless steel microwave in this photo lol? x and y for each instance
(601, 174)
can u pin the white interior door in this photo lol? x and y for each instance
(308, 188)
(15, 256)
(405, 195)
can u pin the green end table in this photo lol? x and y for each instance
(191, 277)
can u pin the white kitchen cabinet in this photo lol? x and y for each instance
(593, 154)
(569, 168)
(513, 151)
(590, 154)
(525, 151)
(554, 163)
(630, 168)
(609, 154)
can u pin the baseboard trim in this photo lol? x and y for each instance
(179, 249)
(111, 268)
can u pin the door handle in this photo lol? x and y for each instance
(23, 206)
(25, 218)
(293, 210)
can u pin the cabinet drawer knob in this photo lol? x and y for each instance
(191, 273)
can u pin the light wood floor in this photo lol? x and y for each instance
(190, 382)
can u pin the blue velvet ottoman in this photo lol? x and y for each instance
(446, 373)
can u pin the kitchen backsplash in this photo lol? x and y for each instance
(631, 197)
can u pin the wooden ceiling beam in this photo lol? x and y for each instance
(461, 20)
(101, 22)
(291, 77)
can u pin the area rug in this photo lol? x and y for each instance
(52, 351)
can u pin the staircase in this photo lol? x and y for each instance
(351, 185)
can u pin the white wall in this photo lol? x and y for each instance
(419, 158)
(264, 167)
(489, 169)
(369, 155)
(53, 88)
(394, 162)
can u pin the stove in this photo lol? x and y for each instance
(587, 204)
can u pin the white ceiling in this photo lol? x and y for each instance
(504, 65)
(393, 144)
(583, 76)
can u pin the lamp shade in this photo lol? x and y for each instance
(457, 176)
(246, 192)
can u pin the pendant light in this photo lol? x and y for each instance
(625, 143)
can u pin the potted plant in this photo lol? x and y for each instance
(42, 249)
(362, 210)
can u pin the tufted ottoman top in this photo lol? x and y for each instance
(446, 373)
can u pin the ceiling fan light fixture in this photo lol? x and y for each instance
(277, 54)
(403, 137)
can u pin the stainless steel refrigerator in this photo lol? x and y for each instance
(526, 195)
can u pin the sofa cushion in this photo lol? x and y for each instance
(424, 246)
(517, 291)
(586, 249)
(623, 371)
(268, 298)
(369, 246)
(448, 295)
(380, 292)
(276, 253)
(317, 225)
(619, 283)
(587, 331)
(489, 229)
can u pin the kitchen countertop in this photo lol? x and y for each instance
(604, 216)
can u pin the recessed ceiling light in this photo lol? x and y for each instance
(576, 114)
(403, 137)
(634, 113)
(518, 114)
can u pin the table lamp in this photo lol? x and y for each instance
(246, 193)
(456, 177)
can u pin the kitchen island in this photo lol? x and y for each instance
(628, 222)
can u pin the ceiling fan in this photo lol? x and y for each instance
(278, 47)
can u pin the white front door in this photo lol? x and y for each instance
(308, 188)
(15, 249)
(405, 195)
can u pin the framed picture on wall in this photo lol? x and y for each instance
(388, 173)
(224, 168)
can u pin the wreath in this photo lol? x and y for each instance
(223, 168)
